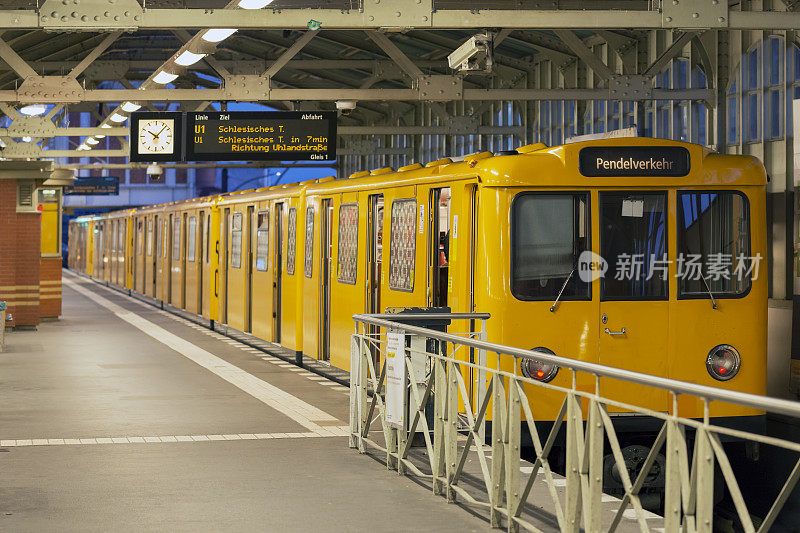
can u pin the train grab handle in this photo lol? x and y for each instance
(216, 282)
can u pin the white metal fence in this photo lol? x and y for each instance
(439, 374)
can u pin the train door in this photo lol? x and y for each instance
(201, 251)
(248, 268)
(374, 262)
(182, 239)
(326, 250)
(277, 272)
(160, 259)
(634, 293)
(168, 259)
(112, 260)
(439, 247)
(155, 250)
(225, 237)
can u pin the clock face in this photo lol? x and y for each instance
(157, 136)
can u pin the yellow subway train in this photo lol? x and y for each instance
(636, 253)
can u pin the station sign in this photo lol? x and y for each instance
(261, 136)
(97, 186)
(616, 161)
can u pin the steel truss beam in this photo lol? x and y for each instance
(373, 95)
(411, 15)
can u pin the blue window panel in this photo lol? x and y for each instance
(752, 70)
(752, 117)
(732, 119)
(681, 75)
(796, 64)
(775, 114)
(733, 85)
(775, 61)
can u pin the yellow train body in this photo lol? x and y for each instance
(292, 264)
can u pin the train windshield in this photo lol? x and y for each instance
(633, 242)
(713, 244)
(549, 233)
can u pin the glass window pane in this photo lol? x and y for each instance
(191, 238)
(752, 117)
(176, 238)
(713, 243)
(291, 245)
(402, 246)
(548, 234)
(309, 241)
(348, 243)
(752, 70)
(732, 120)
(262, 240)
(236, 241)
(633, 240)
(149, 236)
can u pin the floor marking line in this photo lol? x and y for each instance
(330, 431)
(291, 406)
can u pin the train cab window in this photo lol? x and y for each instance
(403, 244)
(348, 243)
(291, 243)
(139, 239)
(191, 238)
(713, 244)
(176, 239)
(149, 238)
(549, 231)
(262, 240)
(309, 252)
(633, 242)
(236, 240)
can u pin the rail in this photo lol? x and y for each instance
(431, 371)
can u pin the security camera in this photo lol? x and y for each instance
(154, 172)
(473, 55)
(345, 106)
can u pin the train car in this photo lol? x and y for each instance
(582, 250)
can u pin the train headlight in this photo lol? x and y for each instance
(539, 370)
(723, 362)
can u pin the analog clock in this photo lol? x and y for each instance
(157, 136)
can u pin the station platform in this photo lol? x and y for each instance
(122, 416)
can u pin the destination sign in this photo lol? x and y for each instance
(261, 135)
(98, 186)
(610, 161)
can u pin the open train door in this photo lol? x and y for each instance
(277, 273)
(374, 263)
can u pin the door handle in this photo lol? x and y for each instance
(620, 332)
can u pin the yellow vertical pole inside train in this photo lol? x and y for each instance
(129, 251)
(216, 271)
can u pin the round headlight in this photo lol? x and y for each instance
(539, 370)
(723, 362)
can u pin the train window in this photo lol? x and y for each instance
(403, 244)
(139, 239)
(176, 239)
(207, 233)
(713, 244)
(262, 240)
(291, 244)
(160, 238)
(149, 238)
(633, 242)
(348, 243)
(236, 241)
(309, 240)
(191, 238)
(549, 232)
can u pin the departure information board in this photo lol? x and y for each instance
(261, 135)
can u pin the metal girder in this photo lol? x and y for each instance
(372, 95)
(391, 49)
(42, 127)
(90, 15)
(585, 53)
(674, 49)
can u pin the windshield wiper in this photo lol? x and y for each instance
(564, 286)
(708, 289)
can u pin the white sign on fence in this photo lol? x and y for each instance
(395, 378)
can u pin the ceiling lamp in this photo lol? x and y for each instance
(105, 125)
(33, 110)
(253, 4)
(27, 139)
(164, 77)
(188, 58)
(130, 107)
(216, 35)
(91, 141)
(99, 136)
(116, 117)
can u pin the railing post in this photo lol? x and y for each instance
(573, 475)
(439, 414)
(355, 390)
(480, 379)
(595, 440)
(513, 438)
(498, 464)
(450, 429)
(704, 512)
(672, 491)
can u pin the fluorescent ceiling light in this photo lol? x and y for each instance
(116, 117)
(99, 136)
(33, 110)
(188, 58)
(216, 35)
(253, 4)
(91, 141)
(105, 125)
(164, 77)
(83, 147)
(130, 107)
(27, 139)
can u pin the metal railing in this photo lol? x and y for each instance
(439, 375)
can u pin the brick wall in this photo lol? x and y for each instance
(50, 299)
(20, 255)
